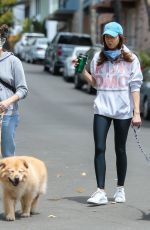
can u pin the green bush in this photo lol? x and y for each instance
(30, 25)
(26, 25)
(144, 58)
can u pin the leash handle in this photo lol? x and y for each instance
(147, 157)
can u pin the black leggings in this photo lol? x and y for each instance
(101, 126)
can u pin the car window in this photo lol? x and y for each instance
(42, 41)
(80, 52)
(31, 41)
(68, 52)
(90, 53)
(75, 40)
(31, 37)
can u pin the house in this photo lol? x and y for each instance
(134, 15)
(90, 16)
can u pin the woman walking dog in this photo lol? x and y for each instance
(116, 75)
(13, 87)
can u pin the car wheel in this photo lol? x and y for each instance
(46, 68)
(55, 70)
(26, 59)
(146, 110)
(65, 78)
(65, 75)
(32, 61)
(77, 83)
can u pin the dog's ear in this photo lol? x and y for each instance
(25, 164)
(2, 165)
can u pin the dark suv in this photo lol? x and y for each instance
(60, 47)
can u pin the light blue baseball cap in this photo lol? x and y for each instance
(113, 29)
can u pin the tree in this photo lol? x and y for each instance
(6, 16)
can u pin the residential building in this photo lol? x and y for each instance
(90, 16)
(38, 10)
(134, 15)
(75, 16)
(65, 15)
(19, 16)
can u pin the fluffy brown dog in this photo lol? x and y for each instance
(23, 178)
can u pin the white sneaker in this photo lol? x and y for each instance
(120, 195)
(99, 197)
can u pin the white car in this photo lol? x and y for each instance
(37, 50)
(19, 46)
(69, 69)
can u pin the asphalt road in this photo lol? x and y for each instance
(56, 126)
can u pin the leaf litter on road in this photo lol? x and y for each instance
(51, 216)
(80, 190)
(83, 174)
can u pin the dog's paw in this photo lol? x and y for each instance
(25, 214)
(10, 217)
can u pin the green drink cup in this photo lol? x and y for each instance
(82, 59)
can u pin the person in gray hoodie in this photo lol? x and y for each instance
(116, 75)
(13, 87)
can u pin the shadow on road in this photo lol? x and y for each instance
(83, 199)
(79, 199)
(17, 216)
(145, 216)
(2, 218)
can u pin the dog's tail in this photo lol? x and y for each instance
(43, 187)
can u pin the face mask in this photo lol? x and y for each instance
(2, 42)
(112, 54)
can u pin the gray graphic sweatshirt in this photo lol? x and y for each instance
(11, 71)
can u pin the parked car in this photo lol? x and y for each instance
(69, 69)
(145, 94)
(60, 47)
(24, 55)
(78, 78)
(19, 46)
(36, 51)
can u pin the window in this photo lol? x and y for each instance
(38, 6)
(75, 40)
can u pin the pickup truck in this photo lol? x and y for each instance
(61, 47)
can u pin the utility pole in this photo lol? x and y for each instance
(81, 17)
(94, 23)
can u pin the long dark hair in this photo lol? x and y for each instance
(4, 32)
(127, 56)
